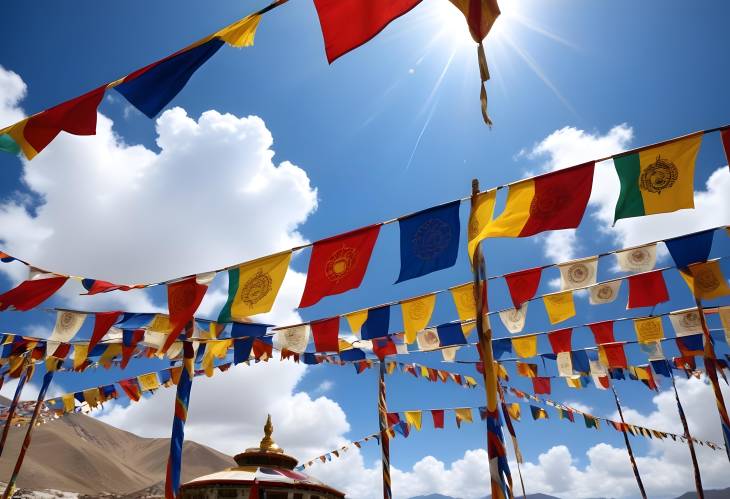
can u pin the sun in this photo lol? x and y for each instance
(450, 22)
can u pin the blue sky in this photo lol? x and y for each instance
(395, 127)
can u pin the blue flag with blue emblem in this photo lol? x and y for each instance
(429, 240)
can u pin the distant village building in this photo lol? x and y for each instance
(263, 472)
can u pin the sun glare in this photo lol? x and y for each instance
(452, 24)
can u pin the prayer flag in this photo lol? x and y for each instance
(560, 340)
(614, 355)
(438, 418)
(526, 369)
(538, 412)
(148, 382)
(578, 273)
(183, 299)
(429, 240)
(480, 16)
(338, 264)
(641, 259)
(253, 287)
(416, 315)
(355, 320)
(692, 248)
(686, 322)
(463, 414)
(465, 305)
(325, 333)
(450, 334)
(480, 215)
(514, 318)
(647, 289)
(724, 313)
(590, 421)
(382, 347)
(347, 24)
(525, 346)
(580, 361)
(565, 363)
(31, 135)
(30, 294)
(725, 137)
(67, 325)
(182, 400)
(377, 323)
(649, 329)
(541, 386)
(553, 201)
(95, 286)
(501, 346)
(413, 418)
(428, 339)
(705, 280)
(657, 180)
(81, 351)
(523, 285)
(294, 339)
(513, 410)
(559, 306)
(604, 292)
(689, 346)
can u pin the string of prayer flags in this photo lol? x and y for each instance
(514, 318)
(657, 180)
(590, 421)
(578, 273)
(523, 285)
(604, 292)
(636, 260)
(377, 323)
(67, 325)
(31, 293)
(253, 287)
(559, 306)
(553, 201)
(338, 264)
(482, 211)
(416, 315)
(692, 248)
(325, 333)
(525, 346)
(429, 240)
(706, 280)
(647, 289)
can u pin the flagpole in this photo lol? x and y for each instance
(495, 444)
(513, 435)
(628, 444)
(711, 370)
(27, 367)
(690, 442)
(384, 439)
(10, 488)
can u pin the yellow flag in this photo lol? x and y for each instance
(214, 350)
(416, 315)
(706, 280)
(92, 397)
(465, 305)
(253, 286)
(413, 418)
(649, 330)
(81, 351)
(481, 214)
(463, 414)
(525, 346)
(355, 320)
(241, 33)
(559, 306)
(574, 381)
(69, 402)
(160, 324)
(148, 382)
(513, 410)
(725, 321)
(112, 351)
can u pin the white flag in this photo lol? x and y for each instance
(578, 273)
(449, 353)
(67, 325)
(604, 292)
(514, 318)
(653, 350)
(293, 338)
(565, 364)
(641, 259)
(686, 322)
(428, 339)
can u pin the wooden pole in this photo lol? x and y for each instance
(495, 443)
(513, 435)
(628, 445)
(10, 488)
(27, 367)
(384, 438)
(690, 444)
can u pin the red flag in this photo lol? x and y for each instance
(383, 347)
(541, 386)
(647, 289)
(183, 299)
(602, 332)
(261, 349)
(725, 135)
(338, 264)
(61, 351)
(560, 340)
(29, 294)
(103, 321)
(615, 355)
(438, 418)
(129, 345)
(347, 24)
(131, 388)
(523, 285)
(325, 333)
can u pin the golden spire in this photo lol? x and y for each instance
(267, 443)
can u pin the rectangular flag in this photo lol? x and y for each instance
(649, 329)
(429, 240)
(578, 273)
(657, 180)
(514, 319)
(647, 289)
(692, 248)
(686, 322)
(538, 412)
(525, 346)
(541, 386)
(67, 325)
(450, 334)
(347, 24)
(253, 286)
(416, 315)
(465, 305)
(438, 418)
(604, 292)
(560, 340)
(338, 264)
(377, 323)
(706, 280)
(559, 306)
(413, 418)
(641, 259)
(325, 333)
(480, 215)
(614, 355)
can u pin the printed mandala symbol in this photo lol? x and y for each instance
(417, 311)
(67, 320)
(431, 239)
(690, 320)
(605, 292)
(660, 175)
(706, 280)
(546, 203)
(340, 263)
(638, 257)
(256, 288)
(579, 273)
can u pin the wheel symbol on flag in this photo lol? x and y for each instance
(256, 288)
(660, 175)
(706, 280)
(431, 239)
(340, 263)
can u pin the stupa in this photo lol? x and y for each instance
(263, 472)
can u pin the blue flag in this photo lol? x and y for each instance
(501, 346)
(692, 248)
(661, 367)
(377, 323)
(450, 334)
(352, 354)
(429, 241)
(580, 362)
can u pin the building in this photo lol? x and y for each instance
(263, 472)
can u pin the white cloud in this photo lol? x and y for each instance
(12, 91)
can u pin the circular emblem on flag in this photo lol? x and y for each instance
(660, 175)
(638, 257)
(66, 320)
(549, 201)
(690, 320)
(706, 280)
(430, 338)
(431, 239)
(578, 274)
(648, 327)
(417, 310)
(256, 288)
(605, 292)
(340, 263)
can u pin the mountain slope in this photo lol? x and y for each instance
(78, 453)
